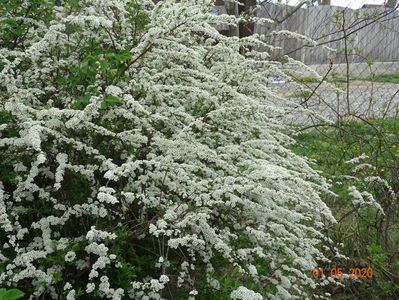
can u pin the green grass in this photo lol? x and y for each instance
(307, 80)
(334, 78)
(384, 78)
(388, 78)
(331, 147)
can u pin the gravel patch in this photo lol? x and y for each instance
(366, 100)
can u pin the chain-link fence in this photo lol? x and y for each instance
(355, 50)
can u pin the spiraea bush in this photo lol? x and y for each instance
(142, 155)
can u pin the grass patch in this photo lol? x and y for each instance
(388, 78)
(366, 241)
(331, 147)
(307, 80)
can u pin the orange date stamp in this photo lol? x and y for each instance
(339, 273)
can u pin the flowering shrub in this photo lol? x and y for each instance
(142, 156)
(361, 159)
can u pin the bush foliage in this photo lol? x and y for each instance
(142, 156)
(361, 160)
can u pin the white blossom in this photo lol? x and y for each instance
(113, 90)
(71, 295)
(90, 287)
(70, 256)
(242, 293)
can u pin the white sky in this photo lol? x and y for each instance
(346, 3)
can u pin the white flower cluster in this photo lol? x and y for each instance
(360, 199)
(242, 293)
(365, 180)
(293, 35)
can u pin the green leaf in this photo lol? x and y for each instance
(74, 4)
(57, 277)
(81, 102)
(12, 294)
(5, 117)
(124, 56)
(369, 62)
(110, 101)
